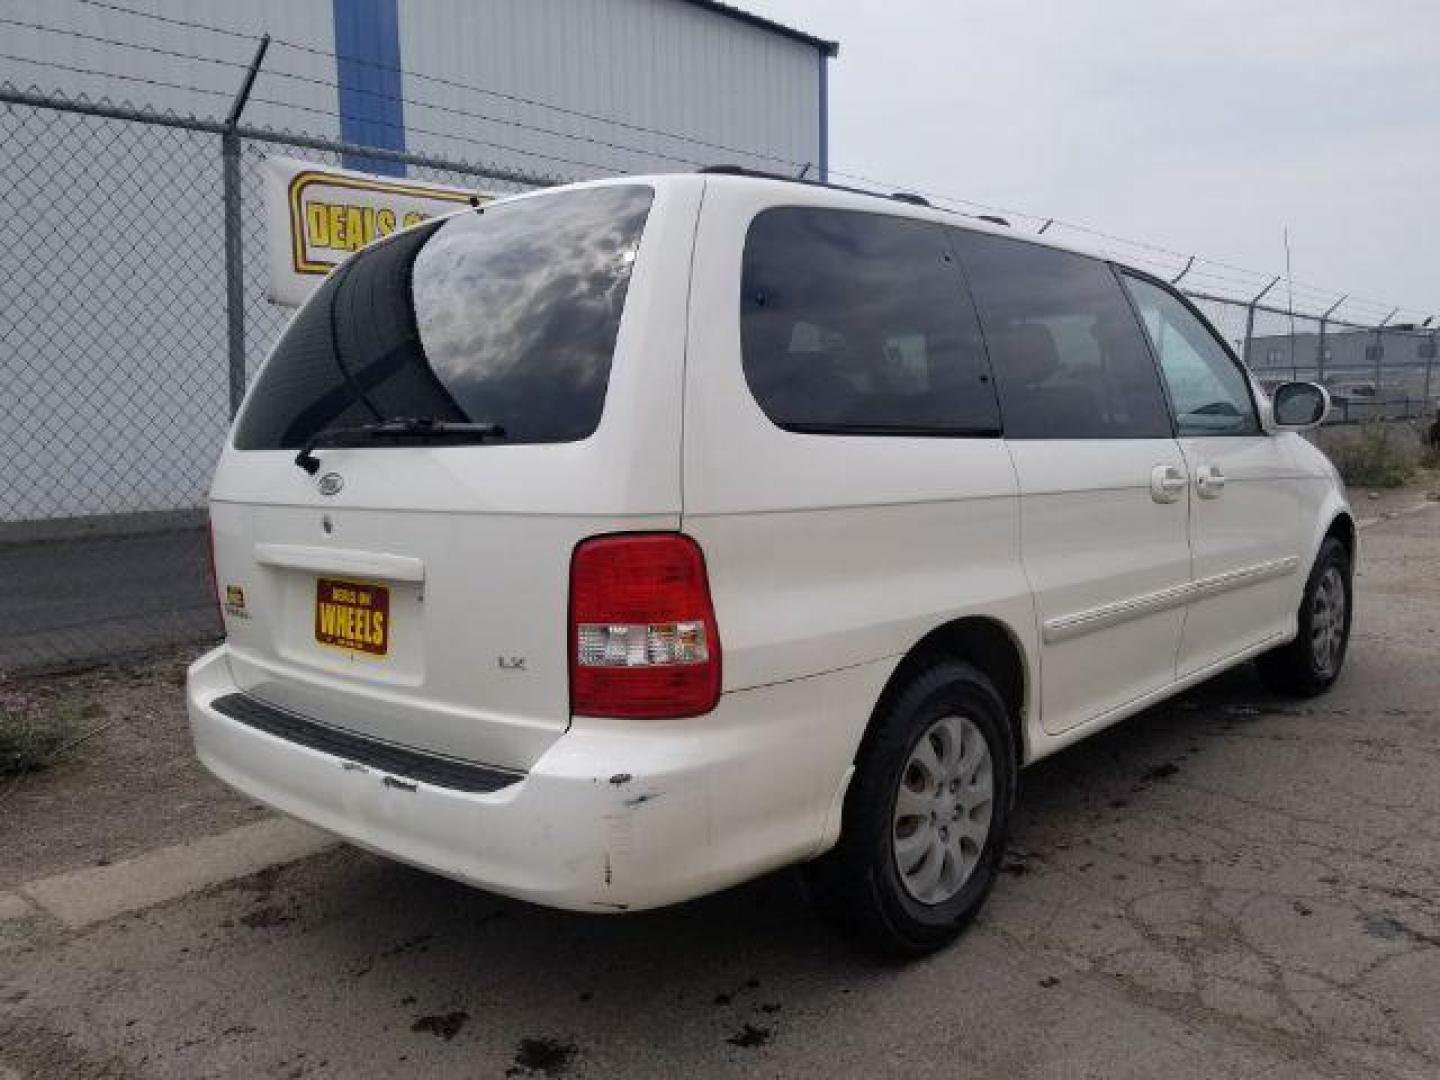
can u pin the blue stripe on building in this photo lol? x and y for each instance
(367, 67)
(824, 117)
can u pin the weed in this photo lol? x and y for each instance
(30, 734)
(1375, 454)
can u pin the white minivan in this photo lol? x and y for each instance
(616, 543)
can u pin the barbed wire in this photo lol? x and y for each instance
(328, 113)
(1241, 282)
(331, 84)
(421, 76)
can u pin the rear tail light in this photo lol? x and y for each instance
(643, 640)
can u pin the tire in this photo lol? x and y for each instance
(1311, 663)
(872, 885)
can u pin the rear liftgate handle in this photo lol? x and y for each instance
(1209, 481)
(1167, 483)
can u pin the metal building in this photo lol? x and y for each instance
(568, 88)
(123, 289)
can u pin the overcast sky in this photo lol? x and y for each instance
(1200, 125)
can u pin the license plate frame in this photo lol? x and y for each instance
(353, 617)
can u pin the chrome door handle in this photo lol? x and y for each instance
(1209, 481)
(1167, 482)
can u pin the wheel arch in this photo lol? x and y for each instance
(1342, 528)
(990, 645)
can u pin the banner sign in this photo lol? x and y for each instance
(316, 215)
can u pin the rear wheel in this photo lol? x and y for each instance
(1311, 663)
(926, 814)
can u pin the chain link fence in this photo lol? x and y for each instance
(133, 313)
(117, 356)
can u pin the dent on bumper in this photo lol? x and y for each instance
(614, 816)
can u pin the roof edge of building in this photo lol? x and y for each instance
(829, 48)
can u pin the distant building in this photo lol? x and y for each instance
(1363, 364)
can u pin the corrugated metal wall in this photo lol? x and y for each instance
(152, 75)
(575, 87)
(655, 64)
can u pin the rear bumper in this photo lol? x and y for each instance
(615, 815)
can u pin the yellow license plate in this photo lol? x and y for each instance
(352, 615)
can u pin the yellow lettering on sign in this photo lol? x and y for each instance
(379, 635)
(317, 228)
(335, 215)
(350, 226)
(355, 237)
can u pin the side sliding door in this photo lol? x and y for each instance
(1104, 488)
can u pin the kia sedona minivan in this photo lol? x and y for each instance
(613, 544)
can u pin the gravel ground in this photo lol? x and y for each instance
(134, 784)
(1231, 885)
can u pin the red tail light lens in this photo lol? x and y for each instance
(643, 640)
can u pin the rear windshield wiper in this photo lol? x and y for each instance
(413, 427)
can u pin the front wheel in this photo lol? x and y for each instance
(1311, 663)
(926, 815)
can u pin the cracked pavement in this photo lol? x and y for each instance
(1230, 885)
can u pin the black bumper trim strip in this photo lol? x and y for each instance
(385, 757)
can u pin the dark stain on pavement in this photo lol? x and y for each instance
(442, 1025)
(750, 1036)
(545, 1056)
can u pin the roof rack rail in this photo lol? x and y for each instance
(760, 174)
(994, 219)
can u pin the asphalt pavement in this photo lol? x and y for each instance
(75, 599)
(1231, 885)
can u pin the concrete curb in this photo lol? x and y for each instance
(81, 898)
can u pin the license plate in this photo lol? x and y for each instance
(352, 615)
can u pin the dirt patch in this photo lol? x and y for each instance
(135, 785)
(1376, 502)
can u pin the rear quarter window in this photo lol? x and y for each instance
(506, 316)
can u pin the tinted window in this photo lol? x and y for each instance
(1069, 358)
(506, 316)
(1209, 392)
(857, 323)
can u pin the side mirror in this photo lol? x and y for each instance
(1298, 406)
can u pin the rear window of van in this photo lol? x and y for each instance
(506, 315)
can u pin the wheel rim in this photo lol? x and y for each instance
(942, 809)
(1327, 621)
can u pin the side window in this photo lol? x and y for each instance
(1068, 355)
(856, 323)
(1210, 393)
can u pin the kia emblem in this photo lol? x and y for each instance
(330, 483)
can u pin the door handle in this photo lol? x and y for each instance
(1167, 483)
(1209, 481)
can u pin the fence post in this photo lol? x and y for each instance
(1250, 318)
(1429, 368)
(1320, 349)
(235, 231)
(1380, 350)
